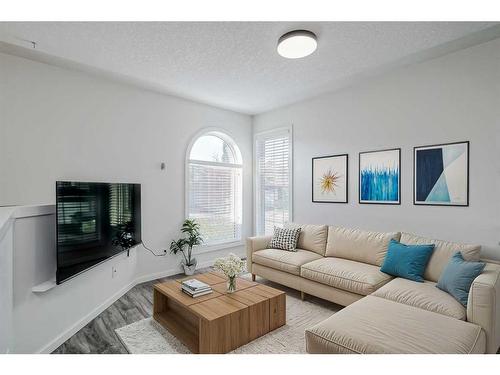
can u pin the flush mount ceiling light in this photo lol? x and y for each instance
(296, 44)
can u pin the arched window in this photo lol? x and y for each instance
(214, 179)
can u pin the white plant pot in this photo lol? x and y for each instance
(189, 270)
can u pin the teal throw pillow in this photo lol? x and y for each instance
(458, 275)
(407, 261)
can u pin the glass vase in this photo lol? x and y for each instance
(231, 284)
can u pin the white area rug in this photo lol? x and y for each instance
(148, 337)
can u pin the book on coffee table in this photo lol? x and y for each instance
(196, 294)
(194, 284)
(195, 288)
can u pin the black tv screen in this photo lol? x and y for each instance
(94, 222)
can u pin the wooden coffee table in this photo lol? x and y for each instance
(219, 322)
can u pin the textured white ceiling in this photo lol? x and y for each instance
(234, 65)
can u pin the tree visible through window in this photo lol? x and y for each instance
(214, 188)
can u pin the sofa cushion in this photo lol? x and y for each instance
(312, 237)
(355, 277)
(443, 251)
(458, 275)
(288, 261)
(359, 245)
(377, 325)
(407, 261)
(422, 295)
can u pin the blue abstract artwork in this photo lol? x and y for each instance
(379, 177)
(441, 174)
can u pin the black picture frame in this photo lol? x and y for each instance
(399, 178)
(415, 149)
(346, 178)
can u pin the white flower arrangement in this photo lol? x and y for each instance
(230, 266)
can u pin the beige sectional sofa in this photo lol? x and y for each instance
(383, 314)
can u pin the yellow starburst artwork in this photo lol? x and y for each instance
(329, 181)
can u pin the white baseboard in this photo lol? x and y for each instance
(171, 272)
(157, 275)
(59, 340)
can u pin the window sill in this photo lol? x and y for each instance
(215, 247)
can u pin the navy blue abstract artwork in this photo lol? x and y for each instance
(428, 169)
(379, 177)
(442, 174)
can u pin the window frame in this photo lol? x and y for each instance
(229, 139)
(256, 191)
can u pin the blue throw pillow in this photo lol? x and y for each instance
(407, 261)
(458, 275)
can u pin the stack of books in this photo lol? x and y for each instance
(195, 288)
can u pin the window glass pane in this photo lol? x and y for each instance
(273, 182)
(212, 148)
(214, 197)
(215, 201)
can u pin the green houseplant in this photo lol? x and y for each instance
(192, 237)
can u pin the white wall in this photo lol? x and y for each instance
(6, 279)
(59, 124)
(452, 98)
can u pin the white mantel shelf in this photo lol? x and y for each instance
(44, 287)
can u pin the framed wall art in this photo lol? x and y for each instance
(441, 174)
(380, 177)
(330, 179)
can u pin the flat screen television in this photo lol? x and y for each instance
(94, 220)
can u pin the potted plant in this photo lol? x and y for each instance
(191, 230)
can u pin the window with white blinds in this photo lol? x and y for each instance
(214, 183)
(273, 167)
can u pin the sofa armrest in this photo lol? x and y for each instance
(483, 306)
(255, 244)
